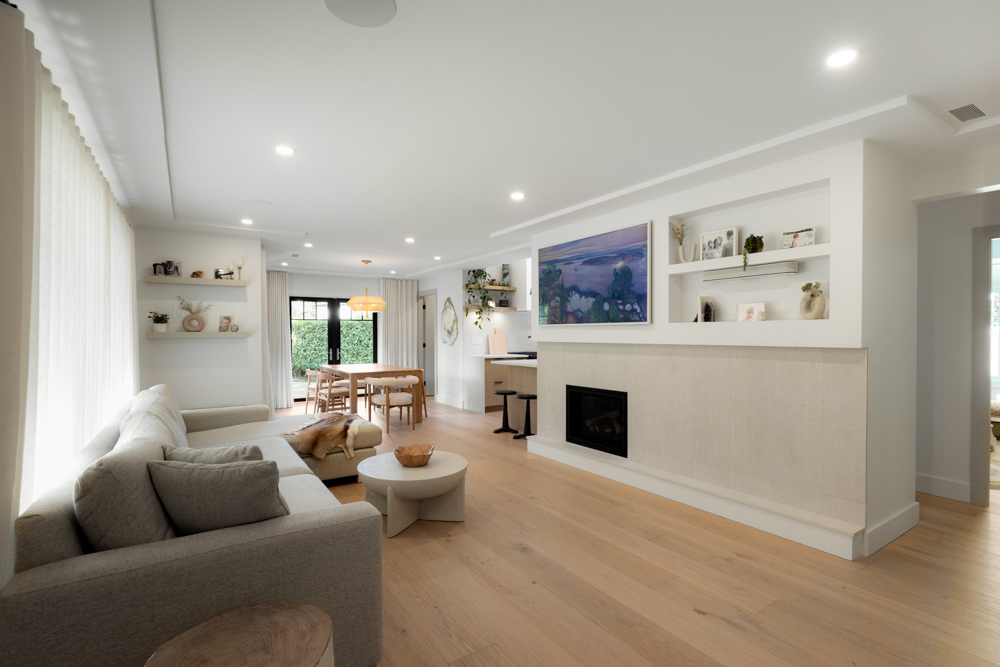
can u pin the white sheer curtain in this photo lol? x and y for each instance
(83, 326)
(397, 326)
(279, 334)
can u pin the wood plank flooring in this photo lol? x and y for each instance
(554, 566)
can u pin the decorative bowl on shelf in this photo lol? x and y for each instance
(414, 456)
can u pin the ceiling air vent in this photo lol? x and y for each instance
(968, 112)
(295, 254)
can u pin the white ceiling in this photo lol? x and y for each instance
(424, 126)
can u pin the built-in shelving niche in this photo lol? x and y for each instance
(770, 215)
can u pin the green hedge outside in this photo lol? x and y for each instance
(310, 345)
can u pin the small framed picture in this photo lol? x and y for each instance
(720, 243)
(747, 312)
(798, 239)
(224, 323)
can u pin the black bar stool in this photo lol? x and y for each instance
(527, 416)
(506, 424)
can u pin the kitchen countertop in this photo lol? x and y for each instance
(499, 356)
(523, 363)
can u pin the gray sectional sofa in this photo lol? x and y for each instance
(70, 605)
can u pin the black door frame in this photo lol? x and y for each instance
(333, 326)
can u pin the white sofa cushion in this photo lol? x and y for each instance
(273, 449)
(306, 494)
(159, 402)
(230, 454)
(144, 427)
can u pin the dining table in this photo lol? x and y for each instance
(358, 372)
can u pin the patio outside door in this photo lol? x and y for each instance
(326, 331)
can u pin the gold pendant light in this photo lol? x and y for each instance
(366, 304)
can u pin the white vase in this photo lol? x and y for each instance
(682, 254)
(159, 327)
(812, 307)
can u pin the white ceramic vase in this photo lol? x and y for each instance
(812, 307)
(682, 254)
(159, 327)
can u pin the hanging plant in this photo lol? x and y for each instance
(751, 245)
(480, 279)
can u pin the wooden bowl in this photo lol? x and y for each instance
(414, 456)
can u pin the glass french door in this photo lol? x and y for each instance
(326, 331)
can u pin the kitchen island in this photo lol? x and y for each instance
(521, 375)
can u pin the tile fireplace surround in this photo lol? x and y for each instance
(778, 429)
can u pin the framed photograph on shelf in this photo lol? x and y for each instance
(748, 312)
(720, 243)
(799, 239)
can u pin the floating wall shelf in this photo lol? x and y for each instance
(178, 280)
(751, 271)
(818, 251)
(152, 335)
(496, 309)
(495, 288)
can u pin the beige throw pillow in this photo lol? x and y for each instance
(213, 454)
(200, 497)
(115, 503)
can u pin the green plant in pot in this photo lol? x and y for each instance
(159, 321)
(751, 245)
(479, 279)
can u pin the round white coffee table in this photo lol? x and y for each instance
(434, 492)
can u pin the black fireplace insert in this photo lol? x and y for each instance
(597, 418)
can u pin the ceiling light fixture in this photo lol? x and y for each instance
(841, 58)
(366, 304)
(285, 150)
(308, 245)
(392, 272)
(247, 221)
(517, 196)
(437, 258)
(284, 263)
(409, 240)
(362, 13)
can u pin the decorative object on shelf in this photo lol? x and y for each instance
(602, 279)
(504, 303)
(223, 274)
(413, 456)
(225, 321)
(197, 274)
(239, 268)
(813, 303)
(167, 268)
(720, 243)
(478, 280)
(449, 323)
(799, 239)
(706, 311)
(234, 328)
(194, 320)
(752, 245)
(747, 312)
(366, 304)
(159, 321)
(760, 316)
(679, 232)
(505, 275)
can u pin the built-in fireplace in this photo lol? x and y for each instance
(597, 418)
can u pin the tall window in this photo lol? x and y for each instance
(326, 331)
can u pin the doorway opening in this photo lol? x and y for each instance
(327, 331)
(426, 340)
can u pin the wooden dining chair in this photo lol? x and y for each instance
(328, 395)
(311, 390)
(381, 395)
(420, 388)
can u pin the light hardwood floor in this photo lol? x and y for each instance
(554, 566)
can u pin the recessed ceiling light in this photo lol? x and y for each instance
(409, 240)
(517, 196)
(308, 245)
(284, 263)
(284, 150)
(841, 58)
(437, 258)
(392, 272)
(247, 221)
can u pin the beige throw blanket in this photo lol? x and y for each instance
(319, 439)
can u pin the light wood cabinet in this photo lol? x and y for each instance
(496, 378)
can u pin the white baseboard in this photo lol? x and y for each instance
(833, 537)
(944, 487)
(889, 529)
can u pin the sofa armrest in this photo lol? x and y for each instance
(212, 418)
(117, 607)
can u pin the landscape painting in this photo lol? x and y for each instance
(601, 279)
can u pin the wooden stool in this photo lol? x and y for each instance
(506, 424)
(276, 634)
(527, 416)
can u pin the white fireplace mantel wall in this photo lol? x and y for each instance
(819, 442)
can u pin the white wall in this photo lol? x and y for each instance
(201, 373)
(330, 287)
(944, 340)
(450, 358)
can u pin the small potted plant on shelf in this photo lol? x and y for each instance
(479, 280)
(159, 321)
(753, 244)
(679, 232)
